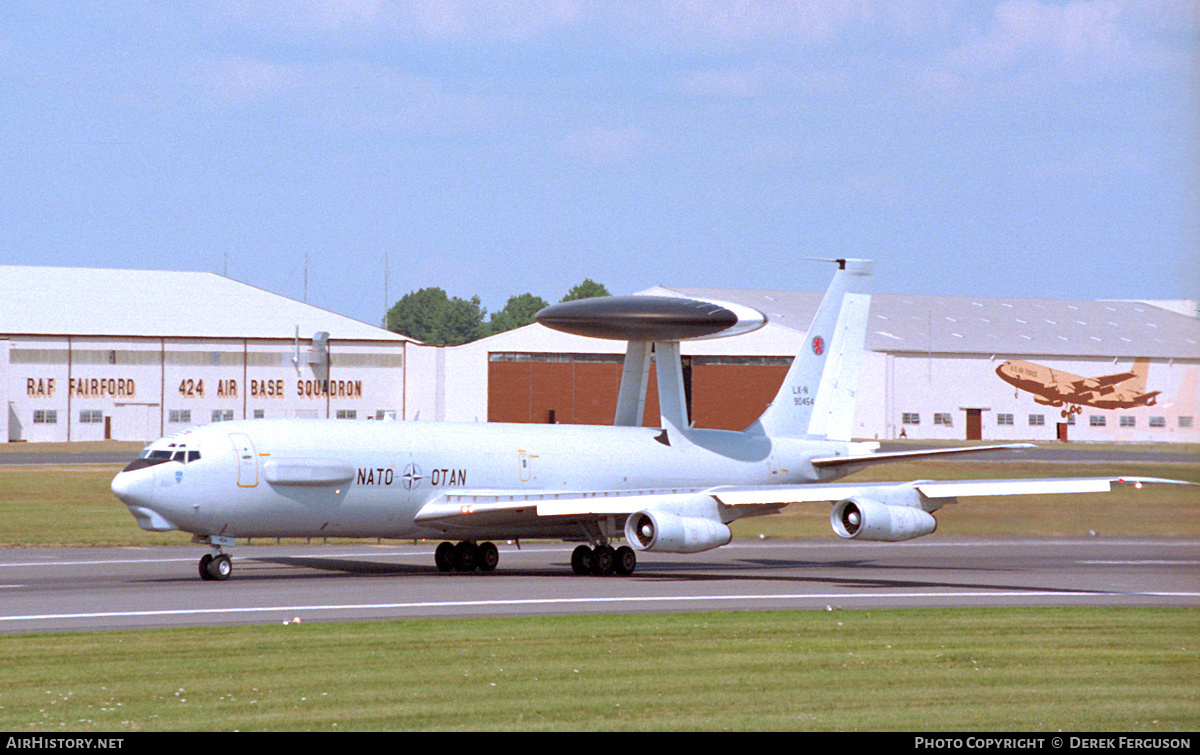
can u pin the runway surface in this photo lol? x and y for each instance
(63, 589)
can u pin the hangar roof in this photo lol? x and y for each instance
(982, 325)
(102, 302)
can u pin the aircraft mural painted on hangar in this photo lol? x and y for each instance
(1051, 387)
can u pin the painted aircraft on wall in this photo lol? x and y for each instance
(671, 488)
(1050, 387)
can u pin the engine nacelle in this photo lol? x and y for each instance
(664, 532)
(864, 519)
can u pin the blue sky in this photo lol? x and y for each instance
(1021, 148)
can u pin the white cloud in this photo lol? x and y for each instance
(357, 22)
(657, 24)
(1035, 43)
(1096, 163)
(512, 20)
(347, 97)
(237, 80)
(603, 146)
(738, 82)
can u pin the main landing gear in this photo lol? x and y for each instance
(603, 560)
(466, 556)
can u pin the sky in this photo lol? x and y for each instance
(346, 152)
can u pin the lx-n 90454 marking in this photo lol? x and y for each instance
(671, 488)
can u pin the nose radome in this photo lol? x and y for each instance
(131, 488)
(134, 490)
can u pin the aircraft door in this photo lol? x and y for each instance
(525, 460)
(247, 460)
(773, 471)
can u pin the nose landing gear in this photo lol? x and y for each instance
(216, 566)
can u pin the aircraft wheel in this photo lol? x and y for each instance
(626, 561)
(465, 557)
(581, 560)
(220, 567)
(444, 557)
(488, 557)
(603, 560)
(205, 560)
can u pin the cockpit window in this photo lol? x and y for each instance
(149, 458)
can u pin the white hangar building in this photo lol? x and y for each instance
(90, 354)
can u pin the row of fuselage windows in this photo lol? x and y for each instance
(945, 419)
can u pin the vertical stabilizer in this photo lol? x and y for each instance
(818, 394)
(1141, 369)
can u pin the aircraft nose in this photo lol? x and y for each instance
(131, 488)
(135, 490)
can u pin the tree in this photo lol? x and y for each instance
(429, 315)
(517, 312)
(587, 290)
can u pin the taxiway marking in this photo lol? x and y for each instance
(592, 600)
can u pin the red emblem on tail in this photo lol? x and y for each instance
(818, 346)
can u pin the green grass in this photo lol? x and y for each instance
(69, 505)
(912, 670)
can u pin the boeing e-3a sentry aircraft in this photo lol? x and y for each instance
(671, 488)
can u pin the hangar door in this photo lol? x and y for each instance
(725, 393)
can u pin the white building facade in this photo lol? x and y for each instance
(135, 355)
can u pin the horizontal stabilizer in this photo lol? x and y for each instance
(827, 462)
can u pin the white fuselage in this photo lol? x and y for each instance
(371, 478)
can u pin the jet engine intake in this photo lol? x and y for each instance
(664, 532)
(864, 519)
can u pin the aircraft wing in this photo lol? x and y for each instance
(471, 510)
(497, 507)
(1103, 380)
(929, 489)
